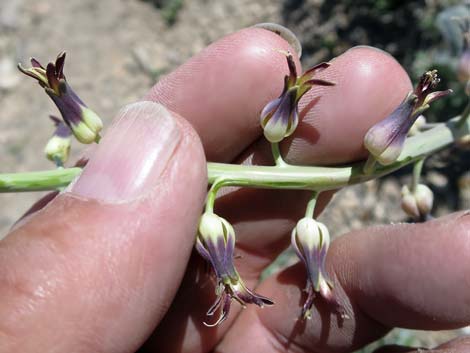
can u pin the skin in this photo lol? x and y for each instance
(111, 285)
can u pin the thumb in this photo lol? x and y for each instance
(96, 269)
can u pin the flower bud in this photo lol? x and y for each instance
(58, 147)
(215, 242)
(280, 117)
(417, 204)
(416, 127)
(385, 140)
(310, 240)
(85, 124)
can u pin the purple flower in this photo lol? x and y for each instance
(280, 117)
(85, 124)
(216, 244)
(385, 139)
(310, 240)
(58, 146)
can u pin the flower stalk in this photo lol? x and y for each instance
(289, 177)
(278, 160)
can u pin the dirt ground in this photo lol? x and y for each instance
(116, 50)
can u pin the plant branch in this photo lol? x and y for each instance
(286, 177)
(310, 210)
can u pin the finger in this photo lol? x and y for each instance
(222, 90)
(263, 219)
(412, 276)
(38, 205)
(332, 131)
(370, 84)
(458, 345)
(97, 268)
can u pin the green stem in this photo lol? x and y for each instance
(287, 177)
(370, 164)
(277, 155)
(311, 205)
(211, 196)
(38, 181)
(417, 169)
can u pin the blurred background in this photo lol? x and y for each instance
(117, 49)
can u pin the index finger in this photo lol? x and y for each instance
(222, 89)
(407, 275)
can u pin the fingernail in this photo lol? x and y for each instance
(283, 32)
(371, 48)
(131, 156)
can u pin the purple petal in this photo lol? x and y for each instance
(59, 65)
(320, 82)
(70, 110)
(313, 263)
(316, 69)
(269, 110)
(307, 307)
(225, 311)
(284, 120)
(382, 134)
(215, 306)
(62, 130)
(35, 63)
(292, 68)
(51, 77)
(293, 122)
(245, 296)
(30, 73)
(296, 247)
(202, 250)
(55, 120)
(393, 150)
(437, 95)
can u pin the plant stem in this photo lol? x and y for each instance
(370, 164)
(277, 155)
(311, 205)
(38, 181)
(286, 177)
(417, 169)
(211, 196)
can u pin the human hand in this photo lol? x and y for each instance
(98, 269)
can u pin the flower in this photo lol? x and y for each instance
(58, 147)
(417, 204)
(215, 242)
(280, 117)
(310, 240)
(85, 124)
(385, 139)
(419, 123)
